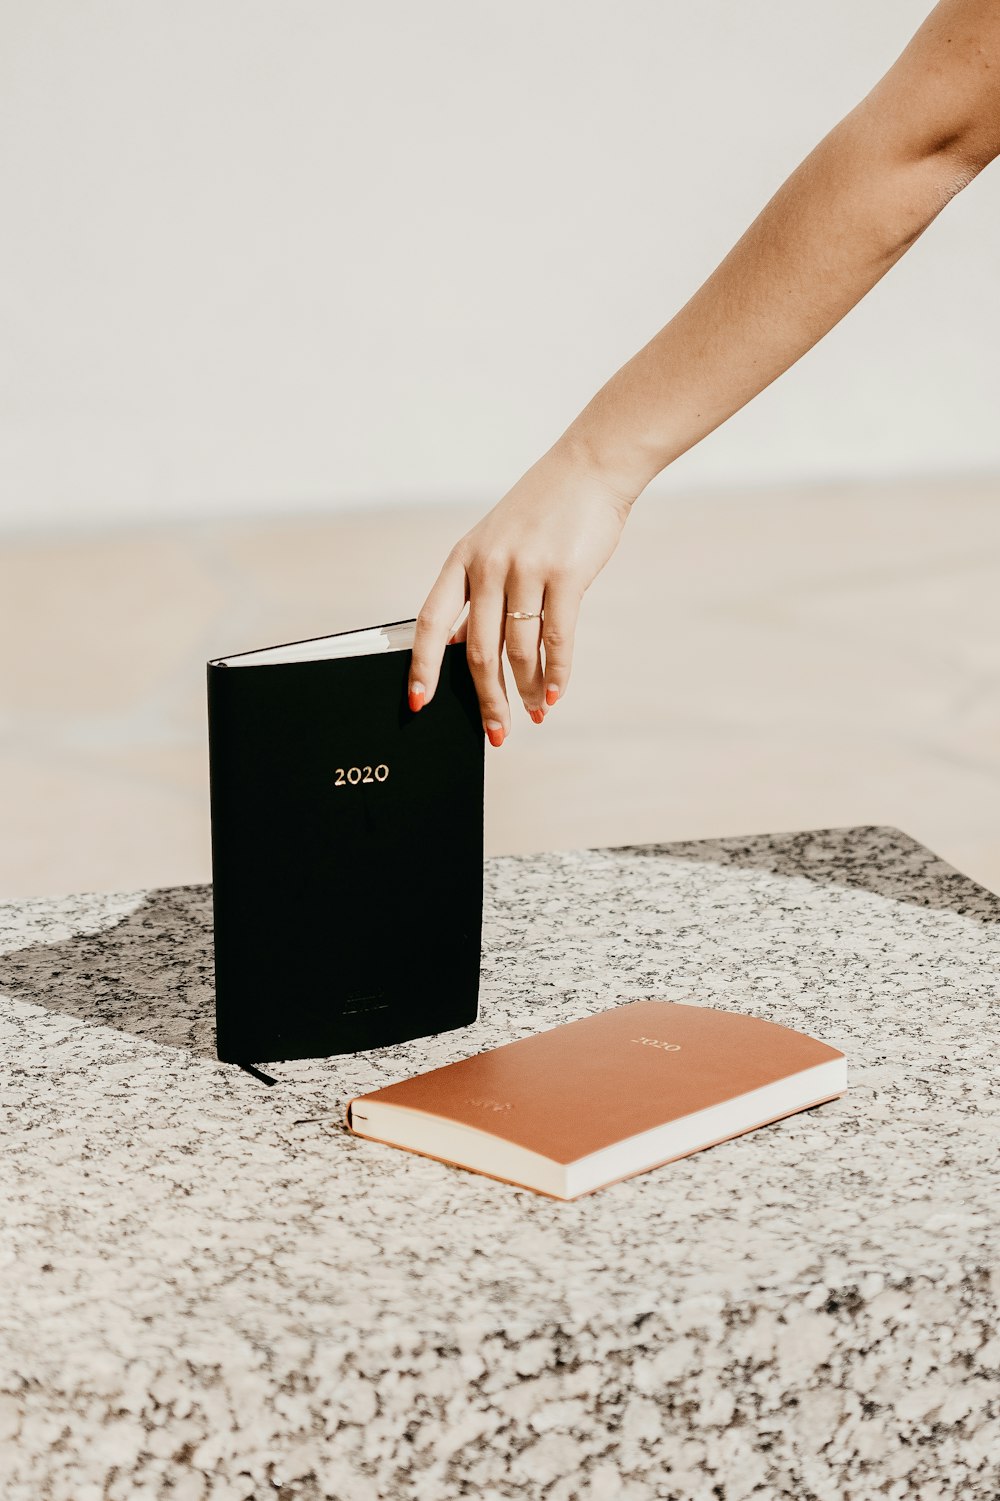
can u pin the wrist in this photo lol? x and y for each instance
(593, 443)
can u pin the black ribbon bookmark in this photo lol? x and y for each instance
(258, 1074)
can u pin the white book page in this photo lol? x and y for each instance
(348, 644)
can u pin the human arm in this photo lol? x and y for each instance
(841, 220)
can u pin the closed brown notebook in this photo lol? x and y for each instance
(593, 1101)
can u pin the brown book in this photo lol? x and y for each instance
(594, 1101)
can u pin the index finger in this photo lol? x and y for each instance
(435, 620)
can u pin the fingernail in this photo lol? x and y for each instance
(494, 731)
(416, 697)
(536, 715)
(551, 694)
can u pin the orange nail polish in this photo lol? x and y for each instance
(416, 698)
(495, 733)
(551, 694)
(536, 715)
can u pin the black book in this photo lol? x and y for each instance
(347, 847)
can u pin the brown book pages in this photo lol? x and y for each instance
(586, 1084)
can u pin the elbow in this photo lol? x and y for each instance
(950, 178)
(961, 149)
(903, 178)
(922, 189)
(955, 161)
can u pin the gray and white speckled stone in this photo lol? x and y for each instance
(210, 1287)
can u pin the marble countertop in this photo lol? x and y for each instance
(211, 1291)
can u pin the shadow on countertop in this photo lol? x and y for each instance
(866, 857)
(150, 972)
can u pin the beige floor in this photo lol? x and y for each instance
(746, 662)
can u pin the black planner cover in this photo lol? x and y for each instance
(347, 854)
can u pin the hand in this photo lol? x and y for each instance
(539, 549)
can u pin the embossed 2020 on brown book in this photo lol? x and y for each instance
(593, 1101)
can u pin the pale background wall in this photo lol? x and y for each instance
(274, 257)
(355, 260)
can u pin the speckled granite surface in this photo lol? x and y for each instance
(205, 1298)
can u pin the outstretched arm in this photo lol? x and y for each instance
(842, 219)
(833, 229)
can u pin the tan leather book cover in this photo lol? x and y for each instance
(587, 1084)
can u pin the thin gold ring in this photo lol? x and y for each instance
(524, 614)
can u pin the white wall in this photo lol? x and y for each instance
(301, 253)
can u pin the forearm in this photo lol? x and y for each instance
(829, 234)
(834, 228)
